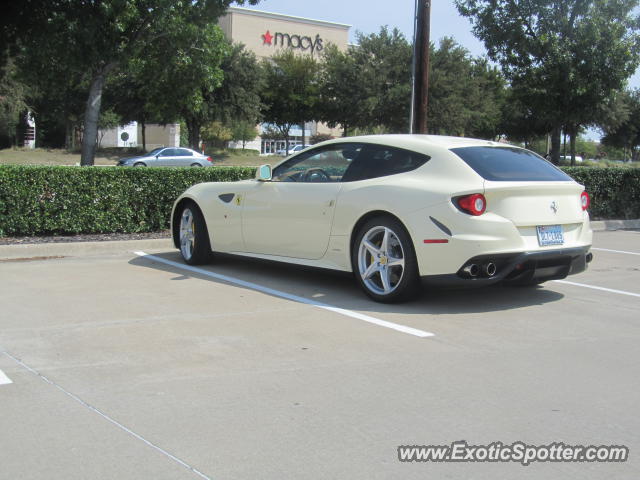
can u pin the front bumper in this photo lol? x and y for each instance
(521, 267)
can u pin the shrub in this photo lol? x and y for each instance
(40, 200)
(615, 192)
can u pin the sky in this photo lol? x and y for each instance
(367, 16)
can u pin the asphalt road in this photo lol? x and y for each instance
(125, 366)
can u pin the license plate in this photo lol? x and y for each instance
(550, 235)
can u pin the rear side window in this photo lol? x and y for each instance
(504, 164)
(380, 161)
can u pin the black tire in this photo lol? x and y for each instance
(139, 164)
(389, 282)
(196, 165)
(194, 243)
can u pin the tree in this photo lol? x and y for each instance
(98, 38)
(383, 61)
(244, 131)
(567, 57)
(343, 93)
(291, 88)
(238, 97)
(185, 85)
(626, 134)
(12, 103)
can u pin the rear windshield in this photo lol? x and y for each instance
(504, 164)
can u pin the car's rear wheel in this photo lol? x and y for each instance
(195, 247)
(139, 164)
(196, 165)
(384, 261)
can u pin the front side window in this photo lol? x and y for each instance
(508, 164)
(323, 165)
(168, 152)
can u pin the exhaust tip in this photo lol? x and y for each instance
(472, 270)
(489, 269)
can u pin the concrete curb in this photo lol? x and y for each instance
(603, 225)
(78, 249)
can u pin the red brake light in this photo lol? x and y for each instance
(209, 159)
(474, 204)
(585, 200)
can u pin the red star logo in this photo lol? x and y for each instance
(267, 38)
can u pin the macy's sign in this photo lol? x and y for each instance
(285, 40)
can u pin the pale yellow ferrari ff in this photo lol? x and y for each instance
(398, 211)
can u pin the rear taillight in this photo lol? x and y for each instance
(585, 200)
(209, 159)
(474, 204)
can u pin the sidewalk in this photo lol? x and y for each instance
(67, 249)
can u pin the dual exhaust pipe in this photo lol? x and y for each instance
(488, 269)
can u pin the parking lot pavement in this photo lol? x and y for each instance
(125, 366)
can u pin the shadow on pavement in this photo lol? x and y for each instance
(339, 289)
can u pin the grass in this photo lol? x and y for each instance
(41, 156)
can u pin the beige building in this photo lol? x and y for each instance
(267, 33)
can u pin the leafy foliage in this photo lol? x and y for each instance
(37, 200)
(626, 133)
(12, 102)
(291, 89)
(564, 58)
(615, 192)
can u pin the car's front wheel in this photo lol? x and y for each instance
(195, 247)
(384, 261)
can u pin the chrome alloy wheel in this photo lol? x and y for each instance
(187, 234)
(381, 260)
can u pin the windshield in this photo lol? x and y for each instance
(155, 151)
(507, 164)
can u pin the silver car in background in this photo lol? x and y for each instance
(168, 157)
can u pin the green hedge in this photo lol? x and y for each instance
(40, 200)
(615, 192)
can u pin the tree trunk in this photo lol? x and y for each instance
(344, 129)
(143, 128)
(304, 140)
(555, 145)
(572, 144)
(193, 127)
(91, 117)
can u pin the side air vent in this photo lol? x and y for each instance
(441, 226)
(226, 197)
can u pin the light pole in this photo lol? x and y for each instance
(420, 93)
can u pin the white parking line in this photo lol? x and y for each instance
(593, 287)
(288, 296)
(107, 417)
(614, 251)
(4, 380)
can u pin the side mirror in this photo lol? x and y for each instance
(264, 173)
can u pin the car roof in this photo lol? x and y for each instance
(418, 141)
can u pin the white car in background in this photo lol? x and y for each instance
(397, 209)
(168, 157)
(292, 150)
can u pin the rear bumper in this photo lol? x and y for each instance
(520, 267)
